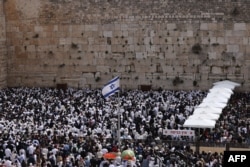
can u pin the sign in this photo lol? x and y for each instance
(173, 132)
(236, 158)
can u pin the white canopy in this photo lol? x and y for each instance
(224, 86)
(227, 82)
(215, 99)
(205, 115)
(224, 90)
(220, 93)
(212, 104)
(199, 123)
(210, 116)
(205, 110)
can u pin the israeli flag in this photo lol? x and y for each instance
(111, 87)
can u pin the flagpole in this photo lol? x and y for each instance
(119, 123)
(109, 89)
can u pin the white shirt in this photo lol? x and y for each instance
(7, 152)
(31, 149)
(7, 163)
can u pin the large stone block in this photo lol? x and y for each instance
(190, 33)
(212, 55)
(171, 26)
(245, 40)
(213, 26)
(240, 26)
(239, 33)
(204, 26)
(107, 34)
(232, 48)
(220, 40)
(216, 70)
(91, 28)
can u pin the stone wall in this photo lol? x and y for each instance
(187, 44)
(3, 63)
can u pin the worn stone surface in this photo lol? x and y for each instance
(3, 62)
(85, 43)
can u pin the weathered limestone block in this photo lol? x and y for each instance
(107, 34)
(171, 26)
(190, 33)
(229, 33)
(140, 55)
(212, 40)
(118, 48)
(216, 70)
(247, 53)
(91, 27)
(245, 40)
(240, 33)
(213, 26)
(240, 26)
(205, 40)
(220, 40)
(204, 26)
(232, 48)
(212, 55)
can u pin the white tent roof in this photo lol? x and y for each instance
(219, 94)
(208, 110)
(215, 99)
(210, 116)
(227, 82)
(224, 90)
(224, 86)
(199, 123)
(205, 115)
(212, 104)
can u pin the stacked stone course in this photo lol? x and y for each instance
(84, 43)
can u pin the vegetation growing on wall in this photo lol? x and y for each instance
(196, 48)
(74, 46)
(97, 79)
(235, 11)
(177, 81)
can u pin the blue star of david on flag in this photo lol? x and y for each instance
(111, 87)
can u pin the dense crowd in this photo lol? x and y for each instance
(76, 127)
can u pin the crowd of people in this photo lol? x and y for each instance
(76, 127)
